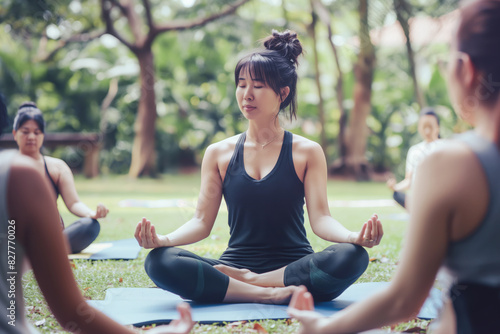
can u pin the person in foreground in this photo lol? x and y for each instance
(30, 229)
(264, 175)
(428, 129)
(455, 217)
(28, 131)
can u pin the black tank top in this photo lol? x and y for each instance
(266, 217)
(56, 190)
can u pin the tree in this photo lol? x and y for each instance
(357, 131)
(321, 106)
(140, 44)
(403, 11)
(324, 16)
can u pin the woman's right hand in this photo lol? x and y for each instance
(391, 183)
(146, 236)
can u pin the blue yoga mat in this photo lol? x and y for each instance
(146, 306)
(126, 249)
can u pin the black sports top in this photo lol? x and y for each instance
(53, 185)
(266, 217)
(50, 178)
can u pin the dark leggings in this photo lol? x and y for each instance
(326, 274)
(400, 197)
(82, 233)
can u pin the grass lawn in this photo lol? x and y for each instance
(94, 277)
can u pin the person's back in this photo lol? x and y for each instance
(455, 216)
(473, 261)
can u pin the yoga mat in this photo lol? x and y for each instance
(126, 249)
(145, 306)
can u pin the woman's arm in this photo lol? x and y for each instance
(322, 223)
(402, 185)
(39, 232)
(426, 242)
(200, 226)
(68, 192)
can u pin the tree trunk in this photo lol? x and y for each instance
(321, 108)
(324, 16)
(403, 14)
(143, 150)
(357, 131)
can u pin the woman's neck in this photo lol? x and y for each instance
(264, 134)
(34, 155)
(487, 124)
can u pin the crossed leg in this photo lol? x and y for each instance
(194, 277)
(326, 274)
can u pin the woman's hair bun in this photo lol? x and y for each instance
(286, 43)
(28, 104)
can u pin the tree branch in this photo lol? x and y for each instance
(149, 17)
(78, 38)
(133, 21)
(188, 24)
(119, 5)
(106, 7)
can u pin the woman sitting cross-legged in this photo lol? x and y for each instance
(29, 130)
(264, 175)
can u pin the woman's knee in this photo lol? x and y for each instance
(161, 260)
(345, 259)
(82, 233)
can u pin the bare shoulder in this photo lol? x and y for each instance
(306, 147)
(454, 167)
(56, 163)
(451, 155)
(224, 145)
(221, 149)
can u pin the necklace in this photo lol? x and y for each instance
(271, 140)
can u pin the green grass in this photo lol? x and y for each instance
(94, 277)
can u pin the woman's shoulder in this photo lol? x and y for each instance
(305, 145)
(224, 145)
(55, 162)
(451, 155)
(57, 166)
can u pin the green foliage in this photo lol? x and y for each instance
(194, 76)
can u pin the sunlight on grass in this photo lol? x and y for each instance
(94, 277)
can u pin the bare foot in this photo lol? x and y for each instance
(243, 275)
(282, 295)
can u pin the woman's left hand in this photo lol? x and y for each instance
(370, 235)
(100, 212)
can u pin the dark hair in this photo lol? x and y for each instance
(3, 114)
(477, 36)
(28, 111)
(276, 65)
(429, 111)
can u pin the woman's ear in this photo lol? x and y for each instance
(469, 74)
(284, 93)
